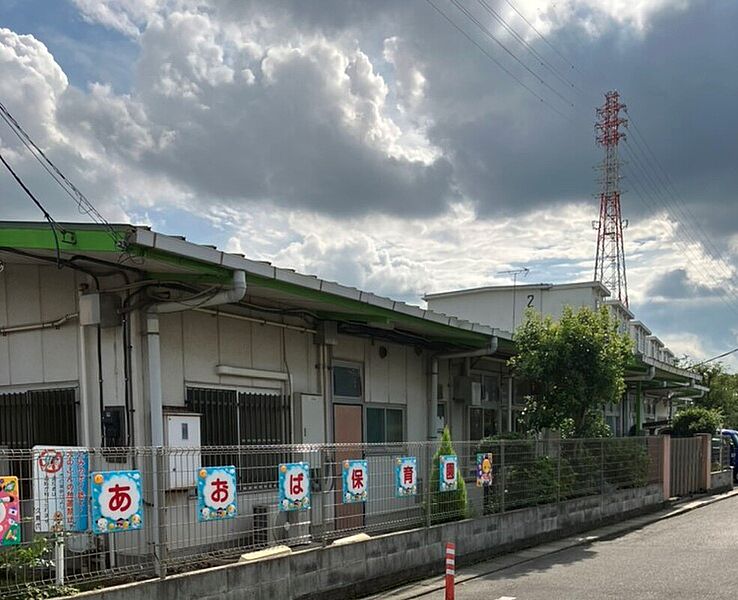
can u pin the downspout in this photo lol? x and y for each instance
(433, 408)
(156, 416)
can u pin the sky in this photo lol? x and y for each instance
(400, 147)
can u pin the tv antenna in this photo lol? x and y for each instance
(522, 271)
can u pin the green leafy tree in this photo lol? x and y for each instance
(723, 394)
(696, 419)
(451, 505)
(575, 366)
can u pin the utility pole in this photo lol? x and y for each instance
(515, 272)
(610, 255)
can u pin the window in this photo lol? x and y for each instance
(233, 418)
(441, 412)
(491, 388)
(384, 425)
(482, 423)
(347, 381)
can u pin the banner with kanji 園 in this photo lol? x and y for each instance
(448, 464)
(294, 486)
(116, 501)
(355, 481)
(484, 469)
(10, 533)
(406, 476)
(216, 493)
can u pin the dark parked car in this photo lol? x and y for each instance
(732, 436)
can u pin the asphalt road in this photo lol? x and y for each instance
(691, 556)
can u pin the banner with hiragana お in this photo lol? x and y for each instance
(117, 503)
(10, 533)
(355, 481)
(216, 493)
(448, 465)
(60, 488)
(294, 486)
(484, 469)
(406, 476)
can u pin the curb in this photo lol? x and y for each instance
(673, 509)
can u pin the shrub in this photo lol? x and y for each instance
(451, 505)
(626, 463)
(696, 419)
(538, 483)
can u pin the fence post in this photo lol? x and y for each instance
(428, 471)
(160, 512)
(59, 558)
(558, 473)
(325, 488)
(666, 466)
(602, 468)
(503, 483)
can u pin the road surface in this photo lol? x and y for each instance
(688, 557)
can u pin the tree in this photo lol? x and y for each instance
(575, 366)
(723, 394)
(451, 505)
(696, 419)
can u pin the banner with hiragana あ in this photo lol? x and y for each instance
(10, 533)
(448, 464)
(117, 503)
(355, 481)
(294, 486)
(406, 476)
(216, 493)
(484, 469)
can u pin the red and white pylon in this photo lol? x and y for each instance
(450, 569)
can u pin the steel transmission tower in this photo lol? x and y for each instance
(610, 256)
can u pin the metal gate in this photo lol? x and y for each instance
(687, 466)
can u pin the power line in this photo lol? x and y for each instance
(723, 355)
(52, 224)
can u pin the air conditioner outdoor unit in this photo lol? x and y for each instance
(272, 526)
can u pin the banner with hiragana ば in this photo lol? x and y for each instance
(216, 493)
(294, 486)
(355, 481)
(10, 533)
(60, 488)
(406, 476)
(448, 465)
(484, 469)
(117, 503)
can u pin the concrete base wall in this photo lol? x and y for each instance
(387, 560)
(722, 481)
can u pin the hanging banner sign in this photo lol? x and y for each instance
(216, 493)
(294, 486)
(117, 503)
(60, 488)
(484, 469)
(10, 534)
(406, 476)
(355, 481)
(448, 464)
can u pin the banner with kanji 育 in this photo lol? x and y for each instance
(60, 484)
(10, 533)
(484, 469)
(406, 476)
(448, 464)
(355, 481)
(116, 500)
(216, 493)
(294, 486)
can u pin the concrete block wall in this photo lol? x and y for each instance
(346, 571)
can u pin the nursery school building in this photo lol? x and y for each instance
(121, 336)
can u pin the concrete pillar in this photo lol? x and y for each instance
(639, 408)
(666, 465)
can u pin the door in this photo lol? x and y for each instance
(348, 428)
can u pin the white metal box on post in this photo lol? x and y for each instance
(181, 430)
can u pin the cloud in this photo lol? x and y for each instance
(677, 285)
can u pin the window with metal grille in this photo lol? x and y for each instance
(233, 418)
(38, 417)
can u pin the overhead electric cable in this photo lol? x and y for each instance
(723, 355)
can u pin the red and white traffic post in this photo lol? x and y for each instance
(450, 569)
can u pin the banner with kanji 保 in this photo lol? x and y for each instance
(406, 476)
(216, 493)
(294, 486)
(355, 481)
(116, 500)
